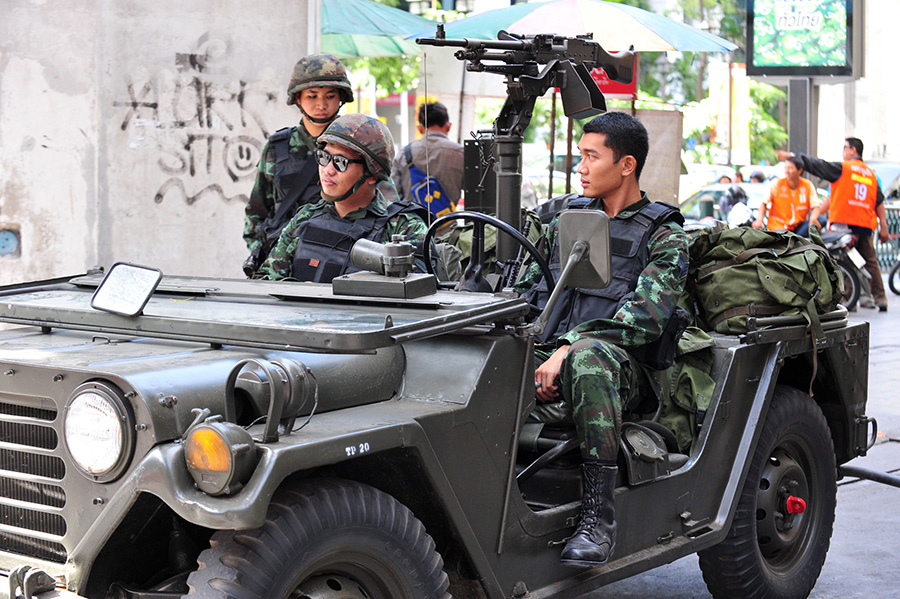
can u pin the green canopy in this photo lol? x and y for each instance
(352, 28)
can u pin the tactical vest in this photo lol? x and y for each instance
(629, 257)
(325, 240)
(296, 183)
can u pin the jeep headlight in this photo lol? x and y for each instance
(220, 456)
(98, 431)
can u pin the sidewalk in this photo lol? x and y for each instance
(884, 383)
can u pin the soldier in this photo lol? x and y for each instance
(287, 176)
(600, 347)
(354, 154)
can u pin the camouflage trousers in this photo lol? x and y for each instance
(598, 380)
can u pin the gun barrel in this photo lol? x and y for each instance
(433, 41)
(474, 44)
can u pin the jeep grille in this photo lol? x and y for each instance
(31, 474)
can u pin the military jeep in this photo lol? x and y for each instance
(170, 436)
(369, 439)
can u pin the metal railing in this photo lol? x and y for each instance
(889, 250)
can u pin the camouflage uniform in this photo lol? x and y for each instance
(599, 377)
(280, 262)
(316, 70)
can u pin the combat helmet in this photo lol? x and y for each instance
(319, 70)
(366, 135)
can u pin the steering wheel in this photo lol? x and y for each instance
(472, 279)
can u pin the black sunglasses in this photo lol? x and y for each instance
(340, 162)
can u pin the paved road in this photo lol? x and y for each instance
(862, 561)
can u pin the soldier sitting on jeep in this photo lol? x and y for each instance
(598, 346)
(354, 154)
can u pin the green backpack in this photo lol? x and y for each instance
(743, 272)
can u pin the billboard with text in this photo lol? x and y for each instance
(802, 38)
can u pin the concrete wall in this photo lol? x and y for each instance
(866, 108)
(130, 131)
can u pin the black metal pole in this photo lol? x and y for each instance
(873, 475)
(509, 191)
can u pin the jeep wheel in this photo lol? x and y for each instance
(782, 527)
(324, 539)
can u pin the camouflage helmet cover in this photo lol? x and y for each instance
(319, 70)
(366, 135)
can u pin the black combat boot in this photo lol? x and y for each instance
(595, 537)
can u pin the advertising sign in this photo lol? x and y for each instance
(614, 89)
(803, 38)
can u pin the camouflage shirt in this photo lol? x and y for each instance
(262, 198)
(642, 319)
(279, 264)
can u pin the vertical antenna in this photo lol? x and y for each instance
(425, 136)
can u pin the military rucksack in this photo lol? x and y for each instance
(741, 273)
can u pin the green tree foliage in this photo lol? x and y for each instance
(766, 133)
(684, 81)
(392, 74)
(395, 74)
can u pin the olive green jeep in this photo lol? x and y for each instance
(167, 437)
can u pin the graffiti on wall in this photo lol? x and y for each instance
(207, 135)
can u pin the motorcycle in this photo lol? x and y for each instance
(841, 242)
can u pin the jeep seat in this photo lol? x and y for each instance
(647, 448)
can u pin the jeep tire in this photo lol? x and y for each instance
(324, 539)
(770, 553)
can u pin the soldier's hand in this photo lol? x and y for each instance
(547, 375)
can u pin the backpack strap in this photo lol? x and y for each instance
(551, 208)
(755, 310)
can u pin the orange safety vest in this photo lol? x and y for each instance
(853, 196)
(788, 207)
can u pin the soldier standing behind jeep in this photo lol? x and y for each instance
(287, 176)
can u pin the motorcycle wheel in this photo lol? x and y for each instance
(851, 283)
(783, 523)
(894, 278)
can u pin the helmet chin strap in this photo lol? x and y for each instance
(359, 183)
(319, 121)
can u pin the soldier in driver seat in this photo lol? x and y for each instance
(354, 154)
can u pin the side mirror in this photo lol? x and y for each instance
(590, 227)
(126, 289)
(583, 254)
